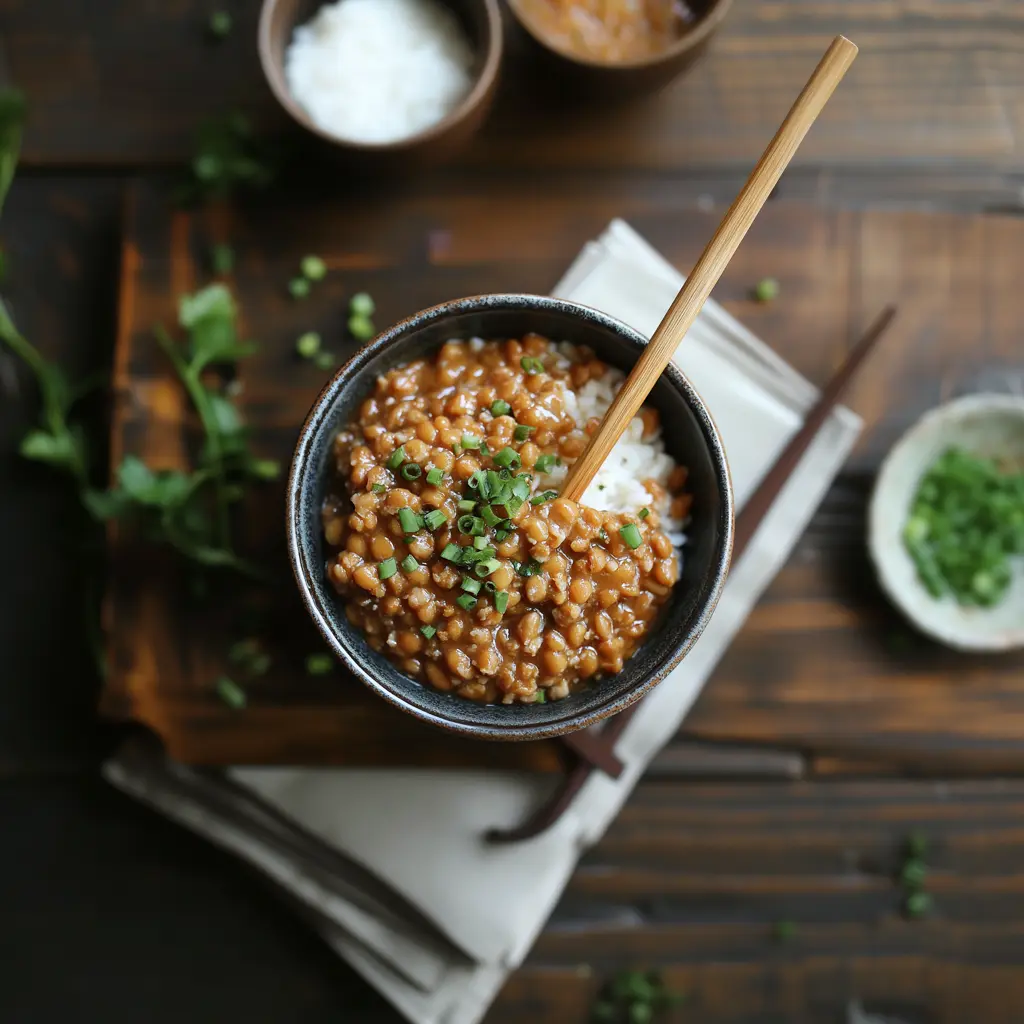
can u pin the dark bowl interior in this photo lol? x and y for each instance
(690, 436)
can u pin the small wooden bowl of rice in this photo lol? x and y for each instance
(388, 83)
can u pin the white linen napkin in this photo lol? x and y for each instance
(366, 853)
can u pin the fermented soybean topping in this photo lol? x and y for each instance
(452, 559)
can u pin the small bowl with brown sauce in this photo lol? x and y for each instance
(620, 47)
(433, 549)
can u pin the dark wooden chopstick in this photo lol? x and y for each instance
(747, 523)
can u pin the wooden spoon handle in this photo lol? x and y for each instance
(712, 263)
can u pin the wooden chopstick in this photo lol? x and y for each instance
(712, 263)
(604, 738)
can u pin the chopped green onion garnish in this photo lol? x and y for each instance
(631, 535)
(490, 518)
(222, 258)
(428, 631)
(513, 504)
(531, 365)
(539, 499)
(378, 488)
(644, 513)
(522, 432)
(499, 407)
(508, 458)
(501, 601)
(387, 568)
(319, 664)
(298, 287)
(396, 458)
(412, 471)
(457, 449)
(308, 344)
(540, 697)
(323, 360)
(530, 568)
(410, 522)
(435, 519)
(473, 483)
(500, 535)
(470, 442)
(231, 693)
(361, 328)
(435, 477)
(471, 586)
(504, 474)
(603, 535)
(313, 268)
(521, 487)
(767, 289)
(409, 564)
(451, 553)
(490, 588)
(545, 462)
(479, 543)
(361, 304)
(467, 505)
(219, 24)
(467, 601)
(473, 525)
(484, 569)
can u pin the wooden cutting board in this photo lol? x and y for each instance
(812, 669)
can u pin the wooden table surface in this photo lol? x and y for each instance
(828, 732)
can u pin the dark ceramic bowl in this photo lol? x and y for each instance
(621, 79)
(482, 21)
(691, 438)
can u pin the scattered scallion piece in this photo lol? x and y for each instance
(361, 328)
(521, 487)
(500, 535)
(428, 631)
(545, 463)
(644, 513)
(913, 874)
(473, 483)
(479, 543)
(412, 471)
(530, 568)
(220, 24)
(470, 443)
(508, 458)
(484, 569)
(397, 457)
(499, 407)
(378, 488)
(631, 535)
(324, 360)
(470, 585)
(472, 525)
(784, 931)
(602, 535)
(298, 287)
(435, 519)
(531, 365)
(767, 289)
(435, 477)
(467, 505)
(308, 344)
(231, 693)
(522, 432)
(319, 664)
(540, 697)
(467, 601)
(313, 268)
(513, 504)
(409, 521)
(409, 564)
(501, 601)
(387, 568)
(543, 496)
(490, 588)
(452, 553)
(222, 258)
(918, 904)
(361, 304)
(489, 516)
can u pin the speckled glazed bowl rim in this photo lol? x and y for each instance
(483, 83)
(704, 28)
(301, 480)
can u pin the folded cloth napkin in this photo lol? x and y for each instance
(359, 851)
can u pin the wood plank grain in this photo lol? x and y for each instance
(816, 667)
(126, 84)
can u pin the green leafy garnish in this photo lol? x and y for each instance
(767, 289)
(633, 997)
(231, 693)
(228, 156)
(313, 268)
